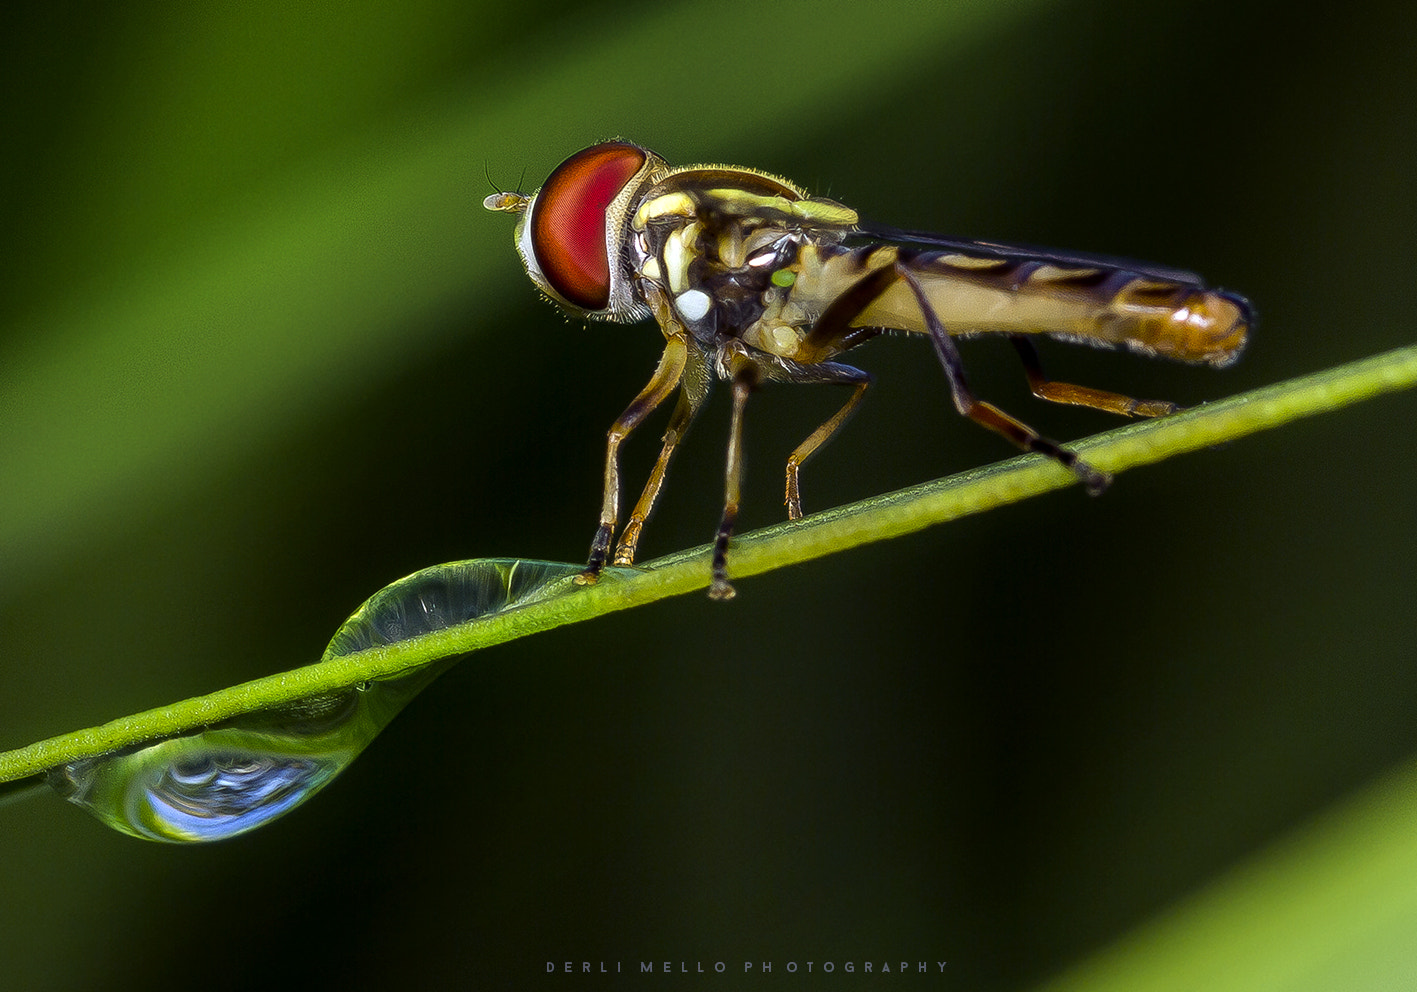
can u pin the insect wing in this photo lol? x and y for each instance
(1104, 273)
(1024, 254)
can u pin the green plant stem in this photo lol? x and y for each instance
(875, 519)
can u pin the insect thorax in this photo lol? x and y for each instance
(732, 261)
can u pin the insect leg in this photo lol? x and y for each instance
(745, 376)
(666, 377)
(986, 414)
(1064, 392)
(846, 376)
(694, 388)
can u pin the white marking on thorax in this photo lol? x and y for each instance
(693, 304)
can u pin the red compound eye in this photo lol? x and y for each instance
(568, 223)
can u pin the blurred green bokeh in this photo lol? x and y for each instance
(263, 353)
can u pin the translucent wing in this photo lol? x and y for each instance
(1023, 254)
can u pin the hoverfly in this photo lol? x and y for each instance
(752, 280)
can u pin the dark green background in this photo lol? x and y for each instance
(263, 353)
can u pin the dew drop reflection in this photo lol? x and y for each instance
(238, 775)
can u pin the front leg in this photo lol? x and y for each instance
(664, 381)
(694, 387)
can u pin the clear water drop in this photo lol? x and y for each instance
(238, 775)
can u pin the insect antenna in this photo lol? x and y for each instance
(502, 200)
(487, 172)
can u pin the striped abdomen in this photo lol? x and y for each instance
(1153, 311)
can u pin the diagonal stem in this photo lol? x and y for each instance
(881, 517)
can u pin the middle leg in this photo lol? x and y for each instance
(744, 374)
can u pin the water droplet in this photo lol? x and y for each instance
(242, 773)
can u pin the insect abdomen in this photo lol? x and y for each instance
(1174, 320)
(1092, 304)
